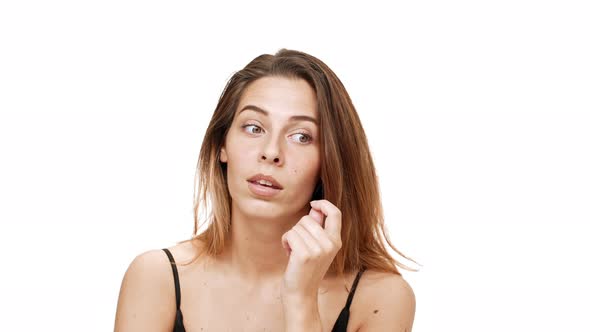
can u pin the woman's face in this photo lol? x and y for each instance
(274, 132)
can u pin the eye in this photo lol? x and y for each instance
(256, 129)
(306, 138)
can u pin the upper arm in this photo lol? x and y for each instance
(146, 299)
(393, 306)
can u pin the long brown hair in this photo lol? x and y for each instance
(347, 175)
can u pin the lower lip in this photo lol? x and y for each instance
(261, 190)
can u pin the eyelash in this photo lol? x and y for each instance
(309, 138)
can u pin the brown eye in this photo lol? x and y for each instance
(256, 129)
(306, 138)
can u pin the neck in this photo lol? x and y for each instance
(255, 251)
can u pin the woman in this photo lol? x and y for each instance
(294, 219)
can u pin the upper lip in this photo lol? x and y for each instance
(269, 178)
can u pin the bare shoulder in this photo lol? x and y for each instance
(146, 298)
(185, 251)
(388, 302)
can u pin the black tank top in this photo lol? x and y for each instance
(340, 325)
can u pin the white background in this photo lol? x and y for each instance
(477, 113)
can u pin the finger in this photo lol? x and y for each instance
(285, 244)
(310, 241)
(333, 222)
(317, 215)
(318, 233)
(296, 243)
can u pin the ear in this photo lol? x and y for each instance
(223, 155)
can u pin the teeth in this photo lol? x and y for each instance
(265, 183)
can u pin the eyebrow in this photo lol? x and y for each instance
(293, 118)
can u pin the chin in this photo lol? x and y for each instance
(262, 208)
(262, 214)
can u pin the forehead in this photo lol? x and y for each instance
(280, 96)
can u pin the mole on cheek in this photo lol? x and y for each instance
(375, 311)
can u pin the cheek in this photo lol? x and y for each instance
(239, 154)
(306, 171)
(239, 150)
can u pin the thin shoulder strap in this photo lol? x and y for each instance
(341, 323)
(353, 289)
(176, 281)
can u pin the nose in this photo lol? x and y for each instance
(276, 160)
(272, 152)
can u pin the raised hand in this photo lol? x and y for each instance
(311, 245)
